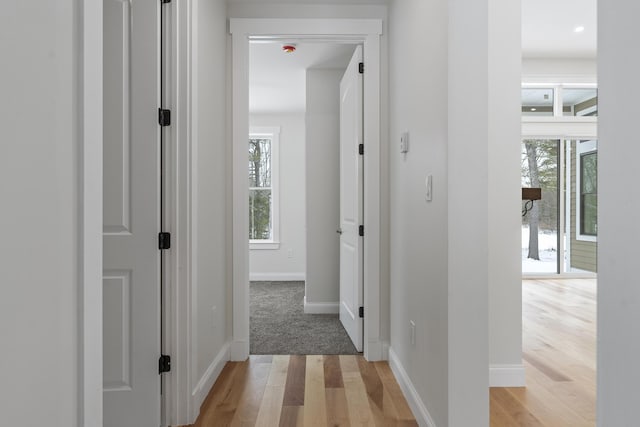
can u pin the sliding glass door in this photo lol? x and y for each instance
(541, 231)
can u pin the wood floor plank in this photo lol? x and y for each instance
(292, 416)
(257, 375)
(294, 388)
(252, 393)
(224, 398)
(393, 389)
(271, 407)
(372, 382)
(332, 372)
(337, 407)
(513, 407)
(549, 371)
(315, 408)
(356, 392)
(498, 415)
(559, 349)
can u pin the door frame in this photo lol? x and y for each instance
(367, 32)
(89, 15)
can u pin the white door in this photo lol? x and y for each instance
(131, 282)
(351, 204)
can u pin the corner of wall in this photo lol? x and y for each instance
(416, 404)
(205, 383)
(507, 376)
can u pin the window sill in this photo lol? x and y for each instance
(584, 238)
(263, 245)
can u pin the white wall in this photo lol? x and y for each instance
(618, 232)
(39, 192)
(211, 284)
(454, 83)
(554, 70)
(418, 94)
(287, 262)
(468, 170)
(278, 9)
(323, 185)
(505, 271)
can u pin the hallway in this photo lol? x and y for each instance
(305, 391)
(559, 354)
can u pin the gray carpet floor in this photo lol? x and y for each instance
(280, 326)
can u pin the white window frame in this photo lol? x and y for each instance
(586, 147)
(272, 133)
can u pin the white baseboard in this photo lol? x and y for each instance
(377, 350)
(321, 307)
(277, 277)
(210, 376)
(239, 351)
(416, 404)
(506, 376)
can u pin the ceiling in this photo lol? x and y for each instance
(548, 28)
(277, 79)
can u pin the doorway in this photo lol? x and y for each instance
(295, 174)
(559, 157)
(368, 33)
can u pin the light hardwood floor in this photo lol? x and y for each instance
(273, 391)
(559, 354)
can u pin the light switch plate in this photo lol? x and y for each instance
(404, 142)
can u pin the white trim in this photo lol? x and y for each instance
(416, 404)
(506, 376)
(559, 127)
(239, 351)
(565, 275)
(321, 307)
(89, 138)
(378, 350)
(325, 28)
(355, 30)
(263, 245)
(180, 209)
(277, 277)
(566, 262)
(562, 222)
(204, 385)
(590, 146)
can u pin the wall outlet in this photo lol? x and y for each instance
(412, 332)
(289, 253)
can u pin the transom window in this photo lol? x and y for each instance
(263, 188)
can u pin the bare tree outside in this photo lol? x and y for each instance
(260, 191)
(540, 170)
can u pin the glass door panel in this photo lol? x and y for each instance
(540, 219)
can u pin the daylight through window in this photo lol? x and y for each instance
(262, 187)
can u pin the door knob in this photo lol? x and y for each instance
(339, 231)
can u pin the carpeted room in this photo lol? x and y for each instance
(280, 326)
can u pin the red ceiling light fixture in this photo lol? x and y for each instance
(289, 48)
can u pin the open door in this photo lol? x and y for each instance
(131, 279)
(351, 203)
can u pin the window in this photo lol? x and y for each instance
(263, 188)
(589, 194)
(537, 101)
(580, 102)
(587, 184)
